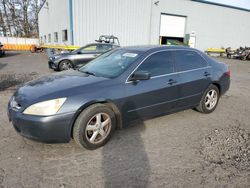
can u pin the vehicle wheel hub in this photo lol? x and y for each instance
(211, 99)
(98, 128)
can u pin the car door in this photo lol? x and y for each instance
(194, 76)
(86, 54)
(148, 98)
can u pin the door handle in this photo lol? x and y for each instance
(171, 81)
(207, 74)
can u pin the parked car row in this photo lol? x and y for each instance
(240, 53)
(116, 88)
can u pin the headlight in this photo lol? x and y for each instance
(52, 58)
(45, 108)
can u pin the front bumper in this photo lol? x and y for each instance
(52, 65)
(50, 129)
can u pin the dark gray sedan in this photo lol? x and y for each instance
(79, 57)
(121, 86)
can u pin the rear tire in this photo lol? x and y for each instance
(94, 126)
(209, 100)
(65, 65)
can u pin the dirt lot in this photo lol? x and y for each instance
(185, 149)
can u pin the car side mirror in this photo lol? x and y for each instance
(79, 52)
(140, 75)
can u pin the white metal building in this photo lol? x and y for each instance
(137, 22)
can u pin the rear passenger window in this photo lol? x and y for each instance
(158, 64)
(188, 60)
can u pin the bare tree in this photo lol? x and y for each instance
(14, 17)
(35, 7)
(20, 17)
(6, 16)
(2, 23)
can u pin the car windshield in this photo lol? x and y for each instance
(111, 64)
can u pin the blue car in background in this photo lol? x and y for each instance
(123, 85)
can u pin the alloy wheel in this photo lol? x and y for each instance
(98, 128)
(66, 65)
(211, 99)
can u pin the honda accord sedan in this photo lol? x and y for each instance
(123, 85)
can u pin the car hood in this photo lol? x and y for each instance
(54, 86)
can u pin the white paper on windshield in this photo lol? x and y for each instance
(129, 55)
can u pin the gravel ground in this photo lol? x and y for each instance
(185, 149)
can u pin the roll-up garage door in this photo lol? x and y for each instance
(172, 26)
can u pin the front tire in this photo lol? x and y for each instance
(209, 100)
(94, 126)
(65, 65)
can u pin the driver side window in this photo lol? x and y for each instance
(158, 64)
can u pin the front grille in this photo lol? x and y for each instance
(52, 65)
(14, 105)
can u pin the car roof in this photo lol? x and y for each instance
(145, 48)
(103, 43)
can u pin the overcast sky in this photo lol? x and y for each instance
(237, 3)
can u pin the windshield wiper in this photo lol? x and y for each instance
(88, 72)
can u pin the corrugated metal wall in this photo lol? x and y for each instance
(54, 17)
(137, 22)
(129, 20)
(215, 26)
